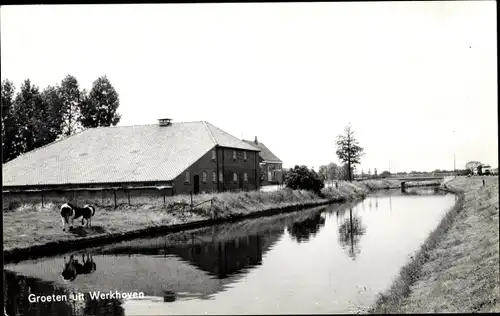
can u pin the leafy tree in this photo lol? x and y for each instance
(333, 171)
(348, 149)
(323, 173)
(385, 174)
(472, 164)
(52, 99)
(30, 113)
(9, 122)
(300, 177)
(464, 172)
(99, 107)
(343, 172)
(71, 100)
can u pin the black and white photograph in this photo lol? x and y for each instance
(271, 158)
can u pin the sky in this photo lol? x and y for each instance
(416, 80)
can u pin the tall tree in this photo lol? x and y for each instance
(30, 113)
(99, 107)
(348, 149)
(9, 126)
(53, 102)
(71, 99)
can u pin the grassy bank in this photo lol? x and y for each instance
(457, 268)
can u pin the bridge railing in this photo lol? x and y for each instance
(416, 175)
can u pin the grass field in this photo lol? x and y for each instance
(457, 269)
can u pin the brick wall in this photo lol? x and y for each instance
(225, 164)
(270, 167)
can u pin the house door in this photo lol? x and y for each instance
(196, 184)
(240, 182)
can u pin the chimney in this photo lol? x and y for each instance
(165, 122)
(255, 141)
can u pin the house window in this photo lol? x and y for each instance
(187, 177)
(234, 154)
(214, 176)
(235, 177)
(213, 154)
(245, 177)
(204, 177)
(245, 155)
(221, 178)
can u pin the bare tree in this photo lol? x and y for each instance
(348, 149)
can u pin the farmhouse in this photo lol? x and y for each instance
(176, 157)
(270, 164)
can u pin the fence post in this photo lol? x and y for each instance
(114, 193)
(212, 208)
(42, 198)
(128, 196)
(10, 201)
(164, 192)
(191, 193)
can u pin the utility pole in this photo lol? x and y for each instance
(454, 166)
(454, 169)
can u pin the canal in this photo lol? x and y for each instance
(332, 259)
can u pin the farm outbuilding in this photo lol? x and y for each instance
(271, 166)
(127, 162)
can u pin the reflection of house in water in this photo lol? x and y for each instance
(226, 258)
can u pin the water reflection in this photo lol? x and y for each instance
(258, 266)
(418, 191)
(73, 267)
(21, 290)
(350, 232)
(223, 258)
(302, 231)
(98, 307)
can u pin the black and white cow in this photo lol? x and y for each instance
(73, 267)
(70, 212)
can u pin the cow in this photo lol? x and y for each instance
(70, 212)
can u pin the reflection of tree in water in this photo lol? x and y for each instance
(303, 230)
(350, 232)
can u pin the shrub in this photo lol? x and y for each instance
(301, 178)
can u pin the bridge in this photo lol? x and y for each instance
(405, 178)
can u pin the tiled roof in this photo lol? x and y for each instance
(140, 153)
(265, 153)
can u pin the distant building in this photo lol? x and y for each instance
(177, 157)
(482, 169)
(271, 166)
